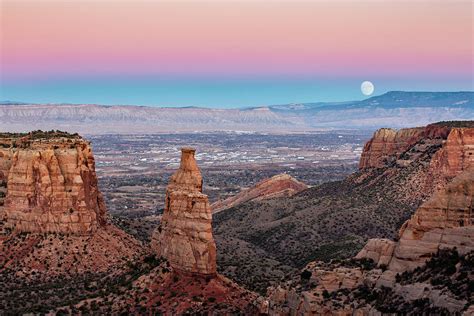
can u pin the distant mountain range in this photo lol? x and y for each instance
(393, 109)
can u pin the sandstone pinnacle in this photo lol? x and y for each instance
(184, 237)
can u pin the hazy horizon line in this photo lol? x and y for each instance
(14, 102)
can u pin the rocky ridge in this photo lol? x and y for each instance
(279, 186)
(444, 221)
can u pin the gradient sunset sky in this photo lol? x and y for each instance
(230, 53)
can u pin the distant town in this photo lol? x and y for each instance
(133, 170)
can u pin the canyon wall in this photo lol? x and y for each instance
(386, 145)
(456, 154)
(427, 158)
(389, 146)
(50, 185)
(444, 221)
(184, 236)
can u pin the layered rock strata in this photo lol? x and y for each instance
(389, 146)
(281, 185)
(456, 154)
(184, 237)
(50, 185)
(386, 144)
(445, 221)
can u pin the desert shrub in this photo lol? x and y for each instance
(305, 275)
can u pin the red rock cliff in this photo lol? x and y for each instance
(452, 148)
(185, 233)
(457, 153)
(386, 145)
(444, 221)
(51, 185)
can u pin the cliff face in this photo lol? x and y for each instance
(51, 186)
(438, 161)
(281, 185)
(431, 156)
(50, 192)
(386, 145)
(184, 237)
(456, 154)
(446, 221)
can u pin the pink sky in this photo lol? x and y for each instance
(234, 38)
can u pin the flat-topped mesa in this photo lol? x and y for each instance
(51, 184)
(184, 237)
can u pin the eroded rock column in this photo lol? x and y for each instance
(184, 237)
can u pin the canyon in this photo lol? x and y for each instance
(395, 276)
(334, 220)
(394, 237)
(93, 265)
(386, 267)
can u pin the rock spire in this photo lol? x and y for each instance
(184, 237)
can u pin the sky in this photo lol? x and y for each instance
(230, 53)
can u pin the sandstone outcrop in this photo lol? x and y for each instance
(425, 160)
(310, 296)
(50, 192)
(184, 237)
(386, 145)
(389, 146)
(439, 160)
(51, 185)
(456, 154)
(444, 221)
(281, 185)
(379, 250)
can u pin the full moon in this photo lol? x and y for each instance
(367, 88)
